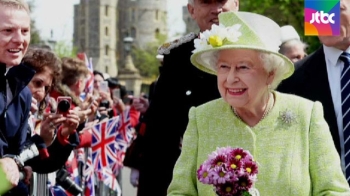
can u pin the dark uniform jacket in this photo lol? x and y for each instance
(179, 87)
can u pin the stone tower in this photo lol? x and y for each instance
(95, 32)
(143, 20)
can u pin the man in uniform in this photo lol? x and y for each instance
(179, 87)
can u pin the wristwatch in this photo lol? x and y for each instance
(17, 160)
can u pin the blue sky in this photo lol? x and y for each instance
(58, 16)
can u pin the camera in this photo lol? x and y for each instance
(63, 179)
(104, 103)
(63, 105)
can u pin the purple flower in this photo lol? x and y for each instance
(240, 153)
(232, 171)
(220, 176)
(234, 164)
(250, 167)
(219, 161)
(227, 189)
(204, 175)
(244, 183)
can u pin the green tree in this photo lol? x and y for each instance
(65, 49)
(145, 59)
(283, 12)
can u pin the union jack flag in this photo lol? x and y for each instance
(103, 144)
(109, 180)
(89, 86)
(123, 138)
(72, 168)
(89, 175)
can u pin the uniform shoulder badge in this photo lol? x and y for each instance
(165, 48)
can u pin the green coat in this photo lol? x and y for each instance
(296, 158)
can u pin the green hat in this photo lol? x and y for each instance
(239, 30)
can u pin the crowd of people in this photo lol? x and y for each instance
(45, 102)
(242, 81)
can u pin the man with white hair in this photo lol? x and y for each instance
(179, 87)
(292, 46)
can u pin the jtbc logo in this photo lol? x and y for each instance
(324, 17)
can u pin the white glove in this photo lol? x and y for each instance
(134, 177)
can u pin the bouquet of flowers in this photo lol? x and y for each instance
(232, 172)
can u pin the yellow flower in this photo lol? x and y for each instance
(215, 41)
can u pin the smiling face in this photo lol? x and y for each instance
(205, 12)
(14, 34)
(242, 80)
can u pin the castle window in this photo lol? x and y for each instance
(133, 32)
(106, 31)
(106, 50)
(106, 10)
(156, 33)
(133, 15)
(106, 69)
(157, 15)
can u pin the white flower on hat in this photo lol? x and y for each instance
(217, 36)
(201, 44)
(233, 33)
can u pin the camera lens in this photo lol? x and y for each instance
(62, 179)
(70, 186)
(63, 106)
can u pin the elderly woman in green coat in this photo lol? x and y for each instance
(286, 134)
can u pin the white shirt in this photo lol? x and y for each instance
(334, 68)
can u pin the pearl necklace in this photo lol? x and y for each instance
(266, 111)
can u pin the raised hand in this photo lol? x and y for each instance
(48, 126)
(71, 124)
(140, 104)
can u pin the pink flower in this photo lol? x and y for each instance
(234, 164)
(244, 183)
(250, 167)
(219, 161)
(239, 154)
(227, 189)
(220, 176)
(232, 171)
(203, 174)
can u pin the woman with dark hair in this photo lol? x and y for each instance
(48, 71)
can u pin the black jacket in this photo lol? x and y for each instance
(14, 117)
(180, 86)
